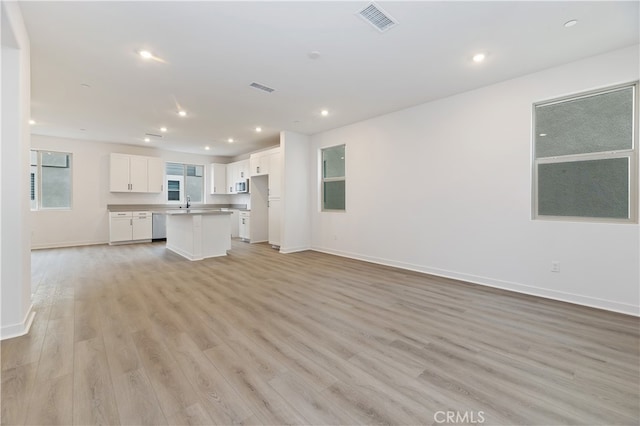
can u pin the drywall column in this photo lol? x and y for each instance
(296, 219)
(15, 251)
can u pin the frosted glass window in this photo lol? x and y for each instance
(597, 188)
(50, 176)
(597, 123)
(333, 178)
(585, 156)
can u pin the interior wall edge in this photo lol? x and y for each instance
(20, 329)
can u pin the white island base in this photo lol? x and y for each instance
(199, 234)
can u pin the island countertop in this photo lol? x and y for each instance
(196, 211)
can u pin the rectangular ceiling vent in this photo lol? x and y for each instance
(377, 17)
(261, 87)
(153, 135)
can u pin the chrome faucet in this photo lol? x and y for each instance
(188, 201)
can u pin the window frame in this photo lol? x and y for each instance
(37, 187)
(183, 183)
(631, 154)
(323, 179)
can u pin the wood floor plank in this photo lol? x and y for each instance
(52, 402)
(93, 395)
(17, 388)
(137, 402)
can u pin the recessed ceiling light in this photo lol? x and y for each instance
(324, 112)
(230, 140)
(146, 54)
(207, 148)
(570, 23)
(182, 113)
(542, 134)
(258, 129)
(479, 57)
(163, 129)
(32, 122)
(147, 140)
(314, 54)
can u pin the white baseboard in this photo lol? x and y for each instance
(287, 250)
(66, 244)
(609, 305)
(20, 329)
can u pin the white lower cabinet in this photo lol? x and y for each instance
(244, 225)
(130, 227)
(235, 223)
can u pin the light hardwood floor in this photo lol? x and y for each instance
(137, 335)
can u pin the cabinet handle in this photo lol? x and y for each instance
(258, 169)
(230, 189)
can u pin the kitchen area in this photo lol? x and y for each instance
(190, 227)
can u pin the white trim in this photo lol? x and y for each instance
(561, 296)
(288, 250)
(20, 329)
(67, 244)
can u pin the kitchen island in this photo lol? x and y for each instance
(199, 233)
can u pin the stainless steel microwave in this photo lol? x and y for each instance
(242, 186)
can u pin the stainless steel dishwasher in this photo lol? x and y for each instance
(159, 222)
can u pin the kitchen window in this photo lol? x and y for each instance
(585, 156)
(50, 180)
(333, 178)
(185, 180)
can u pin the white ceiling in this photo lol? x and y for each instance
(212, 51)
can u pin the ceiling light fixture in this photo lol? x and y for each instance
(230, 140)
(570, 23)
(479, 57)
(542, 134)
(182, 113)
(314, 54)
(324, 112)
(258, 129)
(207, 148)
(147, 140)
(163, 129)
(32, 122)
(145, 54)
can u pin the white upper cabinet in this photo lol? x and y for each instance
(155, 174)
(135, 173)
(218, 173)
(259, 164)
(260, 161)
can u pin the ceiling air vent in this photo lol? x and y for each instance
(153, 135)
(377, 17)
(261, 87)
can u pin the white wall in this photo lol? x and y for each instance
(15, 268)
(88, 221)
(445, 188)
(296, 202)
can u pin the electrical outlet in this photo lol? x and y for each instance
(555, 266)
